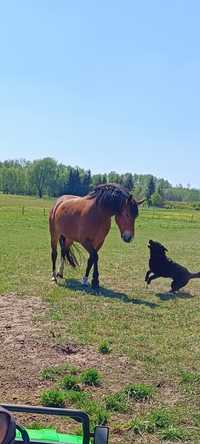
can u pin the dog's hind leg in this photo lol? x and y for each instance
(178, 283)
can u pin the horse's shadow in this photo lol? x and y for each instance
(173, 296)
(74, 284)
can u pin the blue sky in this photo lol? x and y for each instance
(106, 85)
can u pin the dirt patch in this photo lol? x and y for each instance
(29, 344)
(26, 348)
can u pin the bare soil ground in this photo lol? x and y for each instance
(27, 346)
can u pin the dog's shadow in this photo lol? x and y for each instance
(173, 296)
(74, 284)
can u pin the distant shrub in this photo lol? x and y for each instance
(117, 402)
(160, 418)
(49, 373)
(139, 391)
(76, 398)
(190, 377)
(160, 421)
(52, 373)
(173, 433)
(90, 377)
(52, 398)
(70, 382)
(157, 200)
(97, 413)
(104, 347)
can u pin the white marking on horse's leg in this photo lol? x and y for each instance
(85, 281)
(61, 269)
(54, 278)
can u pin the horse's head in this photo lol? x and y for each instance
(126, 218)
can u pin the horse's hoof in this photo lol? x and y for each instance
(95, 286)
(85, 282)
(59, 275)
(53, 279)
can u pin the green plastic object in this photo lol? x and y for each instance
(50, 435)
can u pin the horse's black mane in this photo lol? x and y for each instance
(113, 196)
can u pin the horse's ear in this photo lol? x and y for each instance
(139, 202)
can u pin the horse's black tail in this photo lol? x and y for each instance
(71, 258)
(68, 252)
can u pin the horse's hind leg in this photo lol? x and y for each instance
(63, 252)
(54, 241)
(53, 258)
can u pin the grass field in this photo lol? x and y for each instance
(153, 336)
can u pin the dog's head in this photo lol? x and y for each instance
(156, 247)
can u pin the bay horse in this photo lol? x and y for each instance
(87, 220)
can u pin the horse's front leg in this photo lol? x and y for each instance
(95, 277)
(88, 268)
(93, 260)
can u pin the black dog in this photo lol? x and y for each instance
(161, 266)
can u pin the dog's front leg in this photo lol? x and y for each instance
(147, 275)
(151, 278)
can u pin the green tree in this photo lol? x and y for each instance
(85, 182)
(42, 174)
(127, 181)
(150, 189)
(157, 200)
(114, 177)
(73, 184)
(99, 179)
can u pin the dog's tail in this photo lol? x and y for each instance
(195, 275)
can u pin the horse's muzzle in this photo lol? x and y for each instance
(127, 236)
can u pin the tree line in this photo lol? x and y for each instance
(48, 177)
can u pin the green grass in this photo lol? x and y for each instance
(161, 422)
(52, 398)
(70, 382)
(139, 392)
(91, 377)
(190, 377)
(173, 434)
(53, 373)
(153, 335)
(117, 402)
(104, 347)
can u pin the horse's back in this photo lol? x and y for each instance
(75, 217)
(69, 208)
(59, 202)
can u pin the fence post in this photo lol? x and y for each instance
(23, 210)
